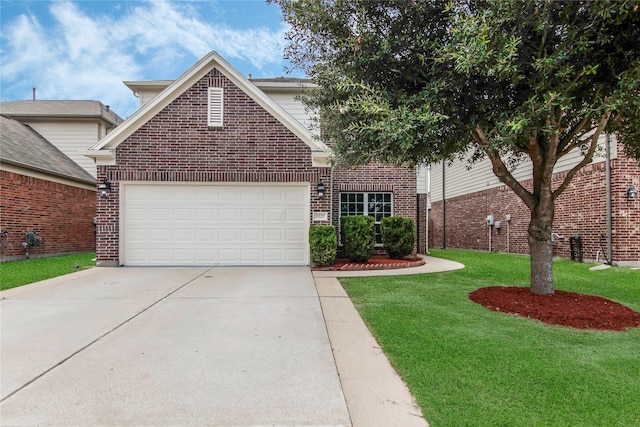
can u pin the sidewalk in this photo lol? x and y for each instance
(376, 396)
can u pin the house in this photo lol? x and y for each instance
(471, 209)
(218, 169)
(43, 192)
(72, 126)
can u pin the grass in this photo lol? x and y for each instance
(468, 366)
(18, 273)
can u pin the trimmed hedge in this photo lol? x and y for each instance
(397, 236)
(359, 237)
(323, 244)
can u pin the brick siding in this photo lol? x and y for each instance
(580, 210)
(62, 215)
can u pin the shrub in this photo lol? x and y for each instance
(323, 244)
(359, 237)
(397, 236)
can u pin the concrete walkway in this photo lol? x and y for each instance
(196, 346)
(376, 396)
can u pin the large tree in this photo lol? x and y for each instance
(415, 82)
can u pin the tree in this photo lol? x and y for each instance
(414, 82)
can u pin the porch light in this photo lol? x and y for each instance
(320, 190)
(632, 193)
(104, 188)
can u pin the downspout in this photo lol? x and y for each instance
(609, 209)
(418, 224)
(426, 211)
(444, 211)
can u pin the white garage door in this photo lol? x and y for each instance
(214, 224)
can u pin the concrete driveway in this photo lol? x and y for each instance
(169, 346)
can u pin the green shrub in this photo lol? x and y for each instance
(397, 236)
(323, 244)
(359, 237)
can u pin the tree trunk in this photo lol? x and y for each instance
(541, 250)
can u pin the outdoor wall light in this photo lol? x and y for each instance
(104, 188)
(632, 193)
(320, 190)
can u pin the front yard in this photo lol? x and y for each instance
(18, 273)
(468, 366)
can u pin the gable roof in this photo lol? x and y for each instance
(59, 109)
(104, 150)
(22, 146)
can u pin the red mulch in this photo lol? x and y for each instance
(376, 262)
(562, 308)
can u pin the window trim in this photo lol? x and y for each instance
(215, 107)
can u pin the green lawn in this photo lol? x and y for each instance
(18, 273)
(468, 366)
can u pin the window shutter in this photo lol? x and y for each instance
(215, 109)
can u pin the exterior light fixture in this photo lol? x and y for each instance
(320, 190)
(632, 193)
(104, 188)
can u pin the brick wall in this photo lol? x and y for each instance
(177, 145)
(580, 210)
(61, 214)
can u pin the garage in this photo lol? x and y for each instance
(199, 224)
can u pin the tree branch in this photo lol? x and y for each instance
(587, 158)
(571, 134)
(500, 169)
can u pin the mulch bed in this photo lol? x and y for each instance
(377, 262)
(562, 308)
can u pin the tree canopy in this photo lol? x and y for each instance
(418, 81)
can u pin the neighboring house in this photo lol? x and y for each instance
(72, 126)
(217, 169)
(459, 219)
(42, 191)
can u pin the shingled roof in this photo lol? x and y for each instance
(22, 146)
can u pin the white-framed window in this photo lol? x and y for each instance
(375, 204)
(215, 106)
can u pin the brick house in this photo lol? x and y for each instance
(461, 199)
(42, 191)
(218, 169)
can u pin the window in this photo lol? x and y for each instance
(377, 205)
(215, 107)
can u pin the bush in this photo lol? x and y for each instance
(397, 236)
(323, 244)
(359, 237)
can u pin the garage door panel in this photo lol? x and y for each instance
(228, 235)
(228, 214)
(159, 235)
(294, 214)
(215, 224)
(250, 235)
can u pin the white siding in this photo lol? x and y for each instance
(72, 138)
(148, 95)
(461, 180)
(423, 177)
(294, 107)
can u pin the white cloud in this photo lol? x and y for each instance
(85, 56)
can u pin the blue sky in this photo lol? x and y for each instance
(85, 49)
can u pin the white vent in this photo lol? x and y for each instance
(215, 110)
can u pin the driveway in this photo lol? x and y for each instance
(169, 346)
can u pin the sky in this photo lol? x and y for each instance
(85, 49)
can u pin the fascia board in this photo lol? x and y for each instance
(102, 157)
(188, 79)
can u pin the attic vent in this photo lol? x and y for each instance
(215, 110)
